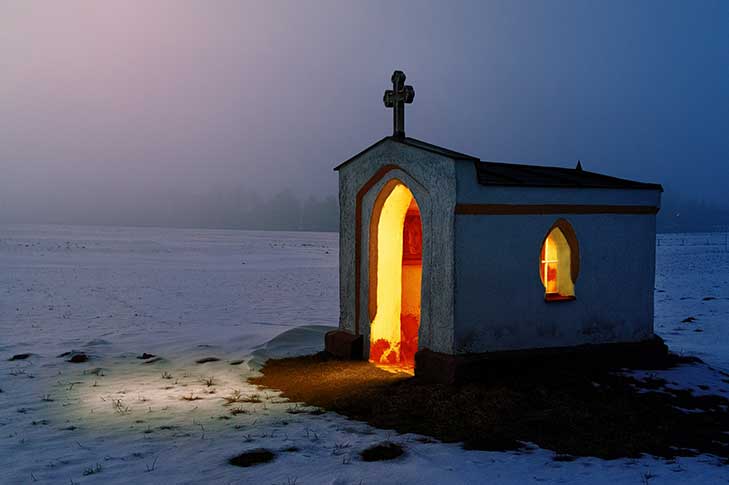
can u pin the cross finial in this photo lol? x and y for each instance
(396, 98)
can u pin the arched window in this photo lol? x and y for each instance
(559, 262)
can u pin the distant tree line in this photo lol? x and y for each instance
(287, 211)
(242, 209)
(680, 214)
(270, 210)
(232, 209)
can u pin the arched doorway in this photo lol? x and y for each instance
(395, 273)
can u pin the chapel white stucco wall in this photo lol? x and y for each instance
(432, 180)
(499, 297)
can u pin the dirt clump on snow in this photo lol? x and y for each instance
(75, 357)
(252, 457)
(205, 360)
(386, 450)
(572, 410)
(20, 356)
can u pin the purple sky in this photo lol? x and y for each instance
(103, 103)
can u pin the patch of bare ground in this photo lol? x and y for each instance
(252, 457)
(382, 452)
(571, 409)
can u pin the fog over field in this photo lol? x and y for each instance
(183, 113)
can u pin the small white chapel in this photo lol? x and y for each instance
(445, 257)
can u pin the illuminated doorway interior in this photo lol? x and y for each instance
(396, 248)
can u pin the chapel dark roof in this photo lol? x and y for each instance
(513, 174)
(520, 175)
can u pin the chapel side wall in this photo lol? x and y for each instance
(431, 178)
(499, 301)
(499, 298)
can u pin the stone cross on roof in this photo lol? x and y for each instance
(396, 98)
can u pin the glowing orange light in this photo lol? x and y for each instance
(549, 265)
(394, 329)
(554, 265)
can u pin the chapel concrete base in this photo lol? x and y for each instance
(453, 369)
(344, 345)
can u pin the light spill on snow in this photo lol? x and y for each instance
(184, 295)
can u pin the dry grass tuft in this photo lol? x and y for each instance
(92, 470)
(252, 399)
(120, 408)
(238, 410)
(235, 396)
(208, 381)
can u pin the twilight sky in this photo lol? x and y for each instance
(107, 105)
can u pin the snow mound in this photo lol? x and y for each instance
(303, 340)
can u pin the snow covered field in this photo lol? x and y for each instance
(185, 295)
